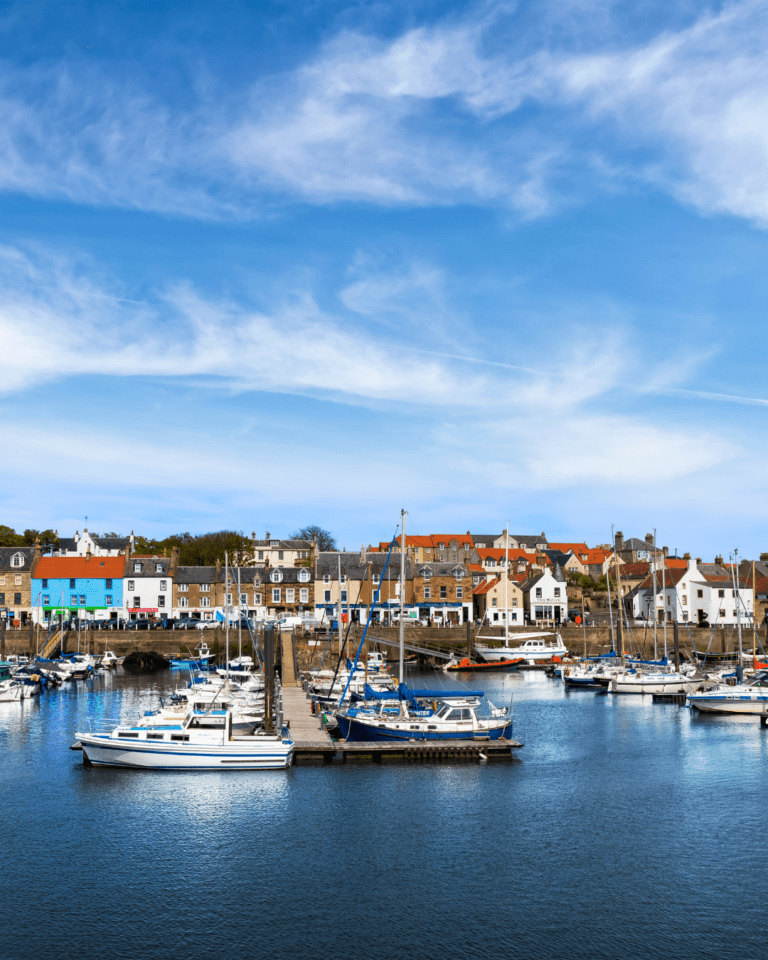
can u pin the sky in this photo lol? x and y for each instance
(272, 264)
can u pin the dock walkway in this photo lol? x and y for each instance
(306, 732)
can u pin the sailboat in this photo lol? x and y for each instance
(424, 714)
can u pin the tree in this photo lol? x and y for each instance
(9, 537)
(325, 539)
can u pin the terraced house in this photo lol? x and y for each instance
(148, 582)
(354, 578)
(89, 588)
(16, 590)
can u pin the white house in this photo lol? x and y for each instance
(701, 593)
(147, 588)
(84, 543)
(546, 596)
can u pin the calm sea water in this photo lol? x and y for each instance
(627, 829)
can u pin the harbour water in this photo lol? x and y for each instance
(626, 829)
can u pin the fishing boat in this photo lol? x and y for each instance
(466, 665)
(188, 745)
(532, 650)
(749, 698)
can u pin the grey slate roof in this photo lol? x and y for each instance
(276, 544)
(557, 556)
(7, 553)
(529, 541)
(485, 539)
(441, 569)
(111, 543)
(149, 567)
(634, 543)
(354, 568)
(290, 575)
(196, 575)
(68, 544)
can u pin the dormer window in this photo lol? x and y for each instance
(17, 560)
(277, 576)
(326, 578)
(375, 578)
(274, 543)
(458, 573)
(304, 576)
(137, 568)
(158, 568)
(426, 573)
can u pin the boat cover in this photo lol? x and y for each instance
(405, 693)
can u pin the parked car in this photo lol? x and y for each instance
(138, 625)
(205, 624)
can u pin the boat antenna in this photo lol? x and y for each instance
(506, 585)
(226, 606)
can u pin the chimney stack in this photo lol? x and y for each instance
(665, 551)
(619, 541)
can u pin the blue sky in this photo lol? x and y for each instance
(267, 264)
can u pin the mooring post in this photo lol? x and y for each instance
(619, 641)
(3, 623)
(269, 675)
(676, 637)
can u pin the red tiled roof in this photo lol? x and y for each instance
(485, 587)
(676, 563)
(498, 553)
(477, 567)
(635, 569)
(565, 547)
(52, 568)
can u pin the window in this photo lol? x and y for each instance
(304, 576)
(184, 588)
(161, 600)
(205, 601)
(257, 599)
(538, 593)
(514, 601)
(137, 568)
(261, 554)
(427, 592)
(290, 595)
(343, 596)
(17, 599)
(375, 579)
(699, 594)
(73, 600)
(2, 599)
(183, 601)
(327, 596)
(685, 601)
(304, 595)
(72, 584)
(137, 602)
(493, 602)
(274, 543)
(17, 580)
(443, 593)
(426, 573)
(46, 601)
(45, 584)
(229, 600)
(131, 584)
(275, 594)
(205, 588)
(243, 600)
(276, 576)
(163, 584)
(343, 578)
(326, 578)
(82, 599)
(108, 584)
(721, 593)
(280, 554)
(158, 568)
(557, 591)
(722, 613)
(18, 560)
(459, 593)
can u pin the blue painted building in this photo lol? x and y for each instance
(89, 587)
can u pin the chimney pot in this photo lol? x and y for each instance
(686, 556)
(764, 556)
(719, 561)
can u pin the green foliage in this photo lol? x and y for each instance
(586, 582)
(201, 550)
(325, 539)
(9, 537)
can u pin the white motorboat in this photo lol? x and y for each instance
(11, 691)
(110, 660)
(749, 698)
(533, 649)
(636, 682)
(245, 719)
(185, 746)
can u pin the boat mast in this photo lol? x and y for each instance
(608, 584)
(403, 515)
(506, 586)
(734, 580)
(239, 620)
(664, 601)
(653, 567)
(226, 606)
(338, 623)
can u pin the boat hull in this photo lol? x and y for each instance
(356, 731)
(106, 752)
(723, 703)
(618, 685)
